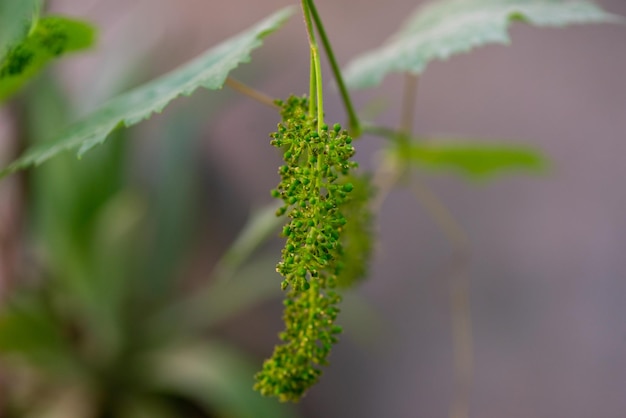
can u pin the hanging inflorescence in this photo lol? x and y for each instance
(315, 188)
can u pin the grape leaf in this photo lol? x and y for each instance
(209, 70)
(445, 28)
(16, 18)
(51, 37)
(473, 159)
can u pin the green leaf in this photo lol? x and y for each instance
(209, 70)
(449, 27)
(50, 38)
(16, 18)
(473, 159)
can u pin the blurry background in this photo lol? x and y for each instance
(548, 273)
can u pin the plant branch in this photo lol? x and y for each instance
(461, 337)
(252, 93)
(458, 275)
(306, 11)
(408, 104)
(353, 119)
(316, 68)
(318, 83)
(312, 86)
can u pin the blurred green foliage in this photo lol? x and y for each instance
(50, 38)
(472, 159)
(16, 21)
(102, 329)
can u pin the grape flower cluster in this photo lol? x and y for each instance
(314, 187)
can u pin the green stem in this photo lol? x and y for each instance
(320, 92)
(316, 69)
(355, 128)
(309, 24)
(312, 86)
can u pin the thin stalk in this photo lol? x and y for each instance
(462, 339)
(312, 86)
(320, 92)
(408, 104)
(316, 67)
(308, 23)
(355, 128)
(252, 93)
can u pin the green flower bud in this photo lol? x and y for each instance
(315, 193)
